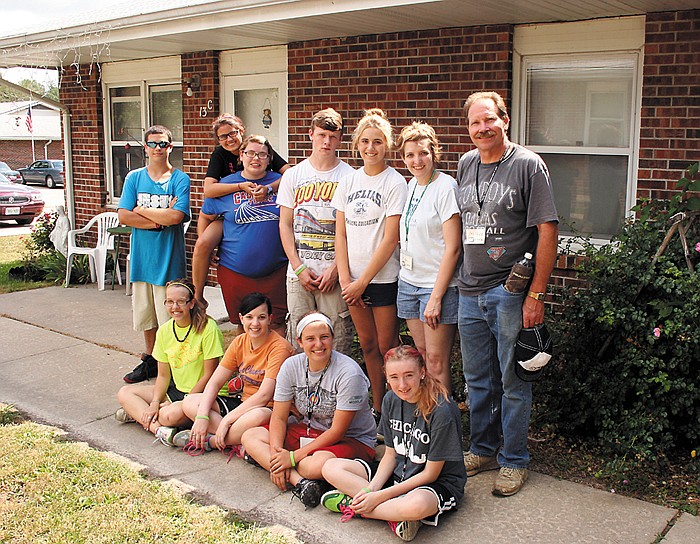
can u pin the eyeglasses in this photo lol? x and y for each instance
(162, 145)
(252, 154)
(224, 137)
(180, 303)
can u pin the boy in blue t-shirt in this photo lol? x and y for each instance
(155, 202)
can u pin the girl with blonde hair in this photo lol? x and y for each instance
(431, 243)
(369, 204)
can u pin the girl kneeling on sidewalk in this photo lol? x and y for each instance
(422, 472)
(187, 348)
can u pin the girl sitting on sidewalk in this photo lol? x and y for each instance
(327, 393)
(255, 357)
(422, 472)
(187, 348)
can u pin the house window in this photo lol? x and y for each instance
(132, 109)
(578, 115)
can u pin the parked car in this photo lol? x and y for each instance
(49, 173)
(19, 203)
(12, 175)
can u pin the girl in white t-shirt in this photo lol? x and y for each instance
(369, 203)
(431, 243)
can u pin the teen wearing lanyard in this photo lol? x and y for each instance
(326, 392)
(428, 298)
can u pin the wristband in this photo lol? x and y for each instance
(366, 490)
(291, 458)
(300, 269)
(202, 417)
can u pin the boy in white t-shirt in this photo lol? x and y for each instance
(307, 230)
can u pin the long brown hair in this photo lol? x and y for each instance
(198, 313)
(430, 389)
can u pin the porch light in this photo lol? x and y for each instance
(193, 84)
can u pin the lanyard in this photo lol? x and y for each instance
(406, 441)
(313, 398)
(411, 207)
(479, 199)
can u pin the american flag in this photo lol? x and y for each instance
(28, 121)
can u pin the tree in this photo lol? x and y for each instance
(41, 90)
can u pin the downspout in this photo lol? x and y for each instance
(68, 157)
(46, 149)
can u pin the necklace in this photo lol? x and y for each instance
(314, 398)
(186, 334)
(413, 207)
(406, 440)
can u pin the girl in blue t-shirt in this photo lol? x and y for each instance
(251, 256)
(421, 474)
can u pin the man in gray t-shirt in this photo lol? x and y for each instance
(507, 208)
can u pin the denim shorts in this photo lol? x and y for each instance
(411, 302)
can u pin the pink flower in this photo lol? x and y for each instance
(657, 331)
(697, 247)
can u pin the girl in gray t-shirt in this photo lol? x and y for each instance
(422, 472)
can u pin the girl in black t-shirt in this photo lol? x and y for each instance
(422, 471)
(229, 131)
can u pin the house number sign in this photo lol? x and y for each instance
(203, 110)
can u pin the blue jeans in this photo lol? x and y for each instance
(499, 401)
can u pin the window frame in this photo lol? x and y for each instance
(606, 39)
(145, 87)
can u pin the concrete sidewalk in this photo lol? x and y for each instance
(64, 352)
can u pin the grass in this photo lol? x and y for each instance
(11, 253)
(54, 491)
(11, 248)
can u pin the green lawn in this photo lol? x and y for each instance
(11, 253)
(55, 491)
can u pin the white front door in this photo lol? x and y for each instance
(260, 100)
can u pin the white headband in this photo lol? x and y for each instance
(312, 318)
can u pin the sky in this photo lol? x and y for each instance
(32, 15)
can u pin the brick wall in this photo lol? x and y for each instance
(198, 114)
(82, 93)
(423, 75)
(18, 153)
(670, 122)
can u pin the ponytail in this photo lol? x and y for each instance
(198, 313)
(430, 389)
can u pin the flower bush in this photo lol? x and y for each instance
(626, 372)
(42, 262)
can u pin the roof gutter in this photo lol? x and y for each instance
(67, 145)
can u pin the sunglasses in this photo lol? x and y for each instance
(162, 145)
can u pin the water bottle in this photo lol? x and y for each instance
(520, 275)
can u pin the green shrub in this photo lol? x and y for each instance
(42, 262)
(626, 372)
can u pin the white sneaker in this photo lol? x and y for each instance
(165, 435)
(122, 417)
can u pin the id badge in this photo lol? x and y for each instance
(406, 260)
(475, 235)
(304, 440)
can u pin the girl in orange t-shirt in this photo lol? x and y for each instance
(256, 357)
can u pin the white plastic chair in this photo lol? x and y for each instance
(127, 279)
(97, 255)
